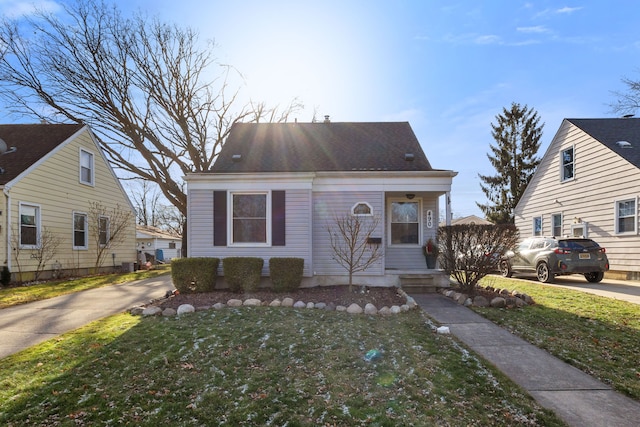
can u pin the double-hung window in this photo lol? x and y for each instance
(537, 226)
(29, 225)
(405, 222)
(626, 216)
(103, 231)
(86, 167)
(567, 164)
(556, 225)
(80, 231)
(250, 212)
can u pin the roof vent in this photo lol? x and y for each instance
(628, 116)
(236, 158)
(326, 119)
(409, 157)
(623, 144)
(4, 149)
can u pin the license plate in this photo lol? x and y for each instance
(585, 256)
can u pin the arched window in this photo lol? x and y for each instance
(362, 209)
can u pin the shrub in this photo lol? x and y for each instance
(286, 273)
(242, 273)
(5, 276)
(191, 275)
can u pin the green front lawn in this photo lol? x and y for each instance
(258, 366)
(598, 335)
(24, 294)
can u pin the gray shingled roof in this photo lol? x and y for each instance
(609, 131)
(314, 147)
(32, 142)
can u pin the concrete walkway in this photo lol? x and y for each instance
(577, 398)
(26, 325)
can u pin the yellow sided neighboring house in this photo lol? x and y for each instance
(63, 211)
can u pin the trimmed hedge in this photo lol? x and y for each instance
(242, 273)
(194, 275)
(286, 273)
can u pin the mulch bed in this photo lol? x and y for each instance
(338, 295)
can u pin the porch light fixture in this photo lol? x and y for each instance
(410, 196)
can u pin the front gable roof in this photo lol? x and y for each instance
(32, 143)
(610, 132)
(314, 147)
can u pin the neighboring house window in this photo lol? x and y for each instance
(172, 245)
(537, 226)
(567, 166)
(405, 223)
(556, 224)
(362, 209)
(103, 230)
(626, 218)
(29, 225)
(80, 231)
(249, 218)
(86, 167)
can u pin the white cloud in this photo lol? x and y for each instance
(488, 39)
(538, 29)
(567, 9)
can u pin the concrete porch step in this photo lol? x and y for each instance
(420, 283)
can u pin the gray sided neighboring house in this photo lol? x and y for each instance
(588, 184)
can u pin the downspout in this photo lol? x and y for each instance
(5, 190)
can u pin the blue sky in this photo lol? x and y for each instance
(446, 67)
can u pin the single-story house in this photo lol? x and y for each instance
(276, 189)
(587, 184)
(156, 243)
(59, 203)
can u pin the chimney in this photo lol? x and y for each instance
(326, 119)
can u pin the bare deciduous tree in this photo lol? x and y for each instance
(469, 252)
(349, 235)
(46, 250)
(107, 226)
(159, 102)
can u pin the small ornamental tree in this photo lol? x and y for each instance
(109, 227)
(469, 252)
(349, 235)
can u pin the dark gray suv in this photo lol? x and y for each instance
(548, 257)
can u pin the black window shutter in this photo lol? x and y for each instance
(278, 218)
(219, 218)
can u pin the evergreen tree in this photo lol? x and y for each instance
(517, 133)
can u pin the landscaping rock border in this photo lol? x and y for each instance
(369, 309)
(490, 297)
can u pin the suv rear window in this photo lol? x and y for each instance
(579, 244)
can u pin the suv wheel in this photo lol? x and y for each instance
(594, 277)
(543, 273)
(505, 269)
